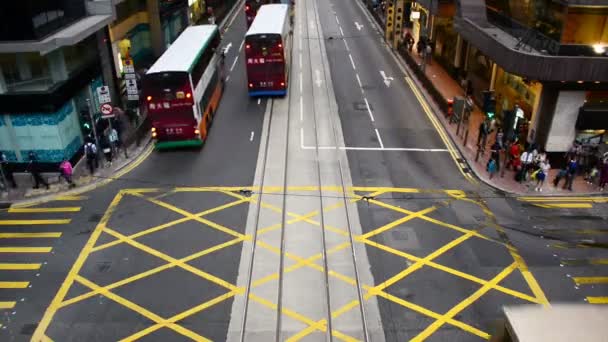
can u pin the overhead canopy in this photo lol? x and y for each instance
(592, 117)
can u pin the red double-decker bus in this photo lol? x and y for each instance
(182, 90)
(267, 51)
(252, 7)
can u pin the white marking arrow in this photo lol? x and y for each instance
(227, 48)
(359, 26)
(318, 80)
(387, 80)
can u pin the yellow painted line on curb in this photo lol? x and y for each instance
(590, 280)
(440, 130)
(597, 300)
(44, 210)
(14, 284)
(25, 249)
(29, 235)
(33, 222)
(7, 305)
(19, 267)
(564, 205)
(71, 198)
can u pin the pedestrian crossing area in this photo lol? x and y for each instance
(27, 237)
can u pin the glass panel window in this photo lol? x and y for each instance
(25, 72)
(80, 55)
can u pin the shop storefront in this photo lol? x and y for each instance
(52, 136)
(173, 20)
(517, 103)
(444, 39)
(478, 69)
(420, 17)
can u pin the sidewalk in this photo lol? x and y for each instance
(83, 179)
(466, 141)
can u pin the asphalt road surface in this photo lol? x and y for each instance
(339, 212)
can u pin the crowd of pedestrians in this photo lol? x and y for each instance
(531, 164)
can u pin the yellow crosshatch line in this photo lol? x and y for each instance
(232, 290)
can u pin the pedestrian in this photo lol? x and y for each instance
(571, 173)
(526, 162)
(500, 136)
(66, 170)
(483, 134)
(492, 169)
(513, 154)
(6, 169)
(428, 53)
(106, 148)
(34, 168)
(114, 142)
(495, 154)
(90, 151)
(540, 157)
(563, 172)
(541, 175)
(604, 176)
(419, 47)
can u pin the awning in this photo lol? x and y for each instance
(592, 117)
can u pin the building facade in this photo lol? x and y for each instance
(545, 60)
(51, 61)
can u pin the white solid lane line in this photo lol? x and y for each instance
(300, 58)
(348, 148)
(379, 139)
(301, 109)
(234, 63)
(301, 84)
(352, 62)
(341, 32)
(241, 46)
(369, 110)
(359, 81)
(337, 21)
(346, 44)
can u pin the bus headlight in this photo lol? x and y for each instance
(197, 132)
(153, 129)
(153, 134)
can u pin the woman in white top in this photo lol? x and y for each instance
(542, 174)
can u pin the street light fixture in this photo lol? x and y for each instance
(599, 48)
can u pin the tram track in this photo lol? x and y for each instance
(332, 158)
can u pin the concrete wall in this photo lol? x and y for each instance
(562, 131)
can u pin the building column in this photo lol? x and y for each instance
(156, 33)
(23, 67)
(107, 64)
(457, 58)
(3, 86)
(59, 71)
(493, 77)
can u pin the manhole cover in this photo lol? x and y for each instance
(28, 329)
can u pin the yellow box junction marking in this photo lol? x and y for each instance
(29, 235)
(13, 284)
(597, 300)
(232, 290)
(26, 249)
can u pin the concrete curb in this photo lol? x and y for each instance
(79, 190)
(437, 112)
